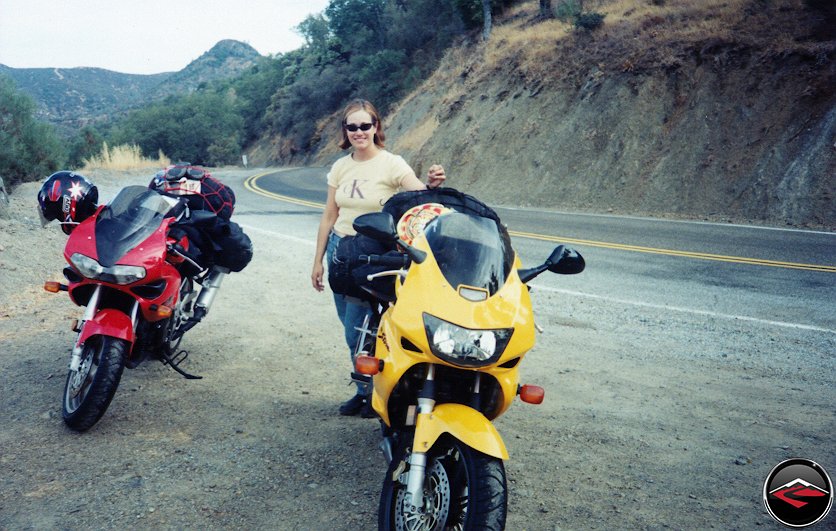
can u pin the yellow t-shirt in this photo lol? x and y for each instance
(364, 187)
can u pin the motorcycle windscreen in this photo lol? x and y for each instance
(471, 251)
(128, 220)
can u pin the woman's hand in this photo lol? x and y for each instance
(435, 176)
(316, 276)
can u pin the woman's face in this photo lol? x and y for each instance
(360, 139)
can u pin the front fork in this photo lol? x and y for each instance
(89, 313)
(417, 459)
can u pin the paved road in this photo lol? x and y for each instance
(779, 276)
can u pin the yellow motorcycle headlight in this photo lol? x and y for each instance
(463, 346)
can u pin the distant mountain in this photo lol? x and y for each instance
(227, 59)
(72, 97)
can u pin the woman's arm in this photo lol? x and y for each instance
(326, 223)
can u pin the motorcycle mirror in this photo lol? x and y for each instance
(565, 261)
(378, 226)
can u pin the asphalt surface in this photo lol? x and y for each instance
(779, 276)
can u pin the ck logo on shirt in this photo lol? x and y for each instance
(353, 190)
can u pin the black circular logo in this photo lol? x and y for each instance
(798, 493)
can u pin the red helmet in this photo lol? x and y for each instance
(68, 197)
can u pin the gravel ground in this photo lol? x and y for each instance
(652, 419)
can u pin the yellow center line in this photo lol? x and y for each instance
(250, 184)
(673, 252)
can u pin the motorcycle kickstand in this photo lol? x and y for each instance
(175, 361)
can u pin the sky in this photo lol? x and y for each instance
(143, 36)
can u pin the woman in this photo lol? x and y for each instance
(359, 183)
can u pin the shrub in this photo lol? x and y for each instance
(29, 149)
(567, 10)
(589, 21)
(224, 151)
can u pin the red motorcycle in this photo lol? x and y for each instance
(137, 280)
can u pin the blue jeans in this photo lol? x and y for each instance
(351, 311)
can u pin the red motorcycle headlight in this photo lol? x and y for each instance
(118, 274)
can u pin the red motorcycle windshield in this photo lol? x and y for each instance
(471, 251)
(128, 220)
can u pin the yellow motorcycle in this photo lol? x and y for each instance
(443, 352)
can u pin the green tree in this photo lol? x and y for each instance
(86, 144)
(375, 77)
(316, 32)
(358, 24)
(224, 151)
(29, 149)
(184, 128)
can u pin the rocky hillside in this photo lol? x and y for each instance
(71, 97)
(706, 110)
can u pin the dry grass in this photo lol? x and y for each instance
(534, 42)
(641, 32)
(124, 157)
(418, 136)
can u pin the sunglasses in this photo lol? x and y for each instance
(354, 127)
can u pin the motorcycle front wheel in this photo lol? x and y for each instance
(89, 390)
(463, 490)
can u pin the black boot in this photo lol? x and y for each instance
(367, 412)
(353, 405)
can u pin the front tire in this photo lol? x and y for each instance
(89, 390)
(463, 490)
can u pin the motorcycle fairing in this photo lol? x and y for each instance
(133, 244)
(462, 422)
(461, 252)
(509, 306)
(108, 322)
(129, 220)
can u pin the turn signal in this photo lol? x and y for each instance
(368, 365)
(532, 394)
(164, 311)
(53, 287)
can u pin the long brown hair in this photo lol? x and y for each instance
(362, 105)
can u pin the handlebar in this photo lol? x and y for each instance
(179, 251)
(400, 261)
(396, 273)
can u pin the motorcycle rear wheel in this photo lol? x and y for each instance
(89, 390)
(463, 490)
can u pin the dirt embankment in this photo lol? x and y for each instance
(702, 111)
